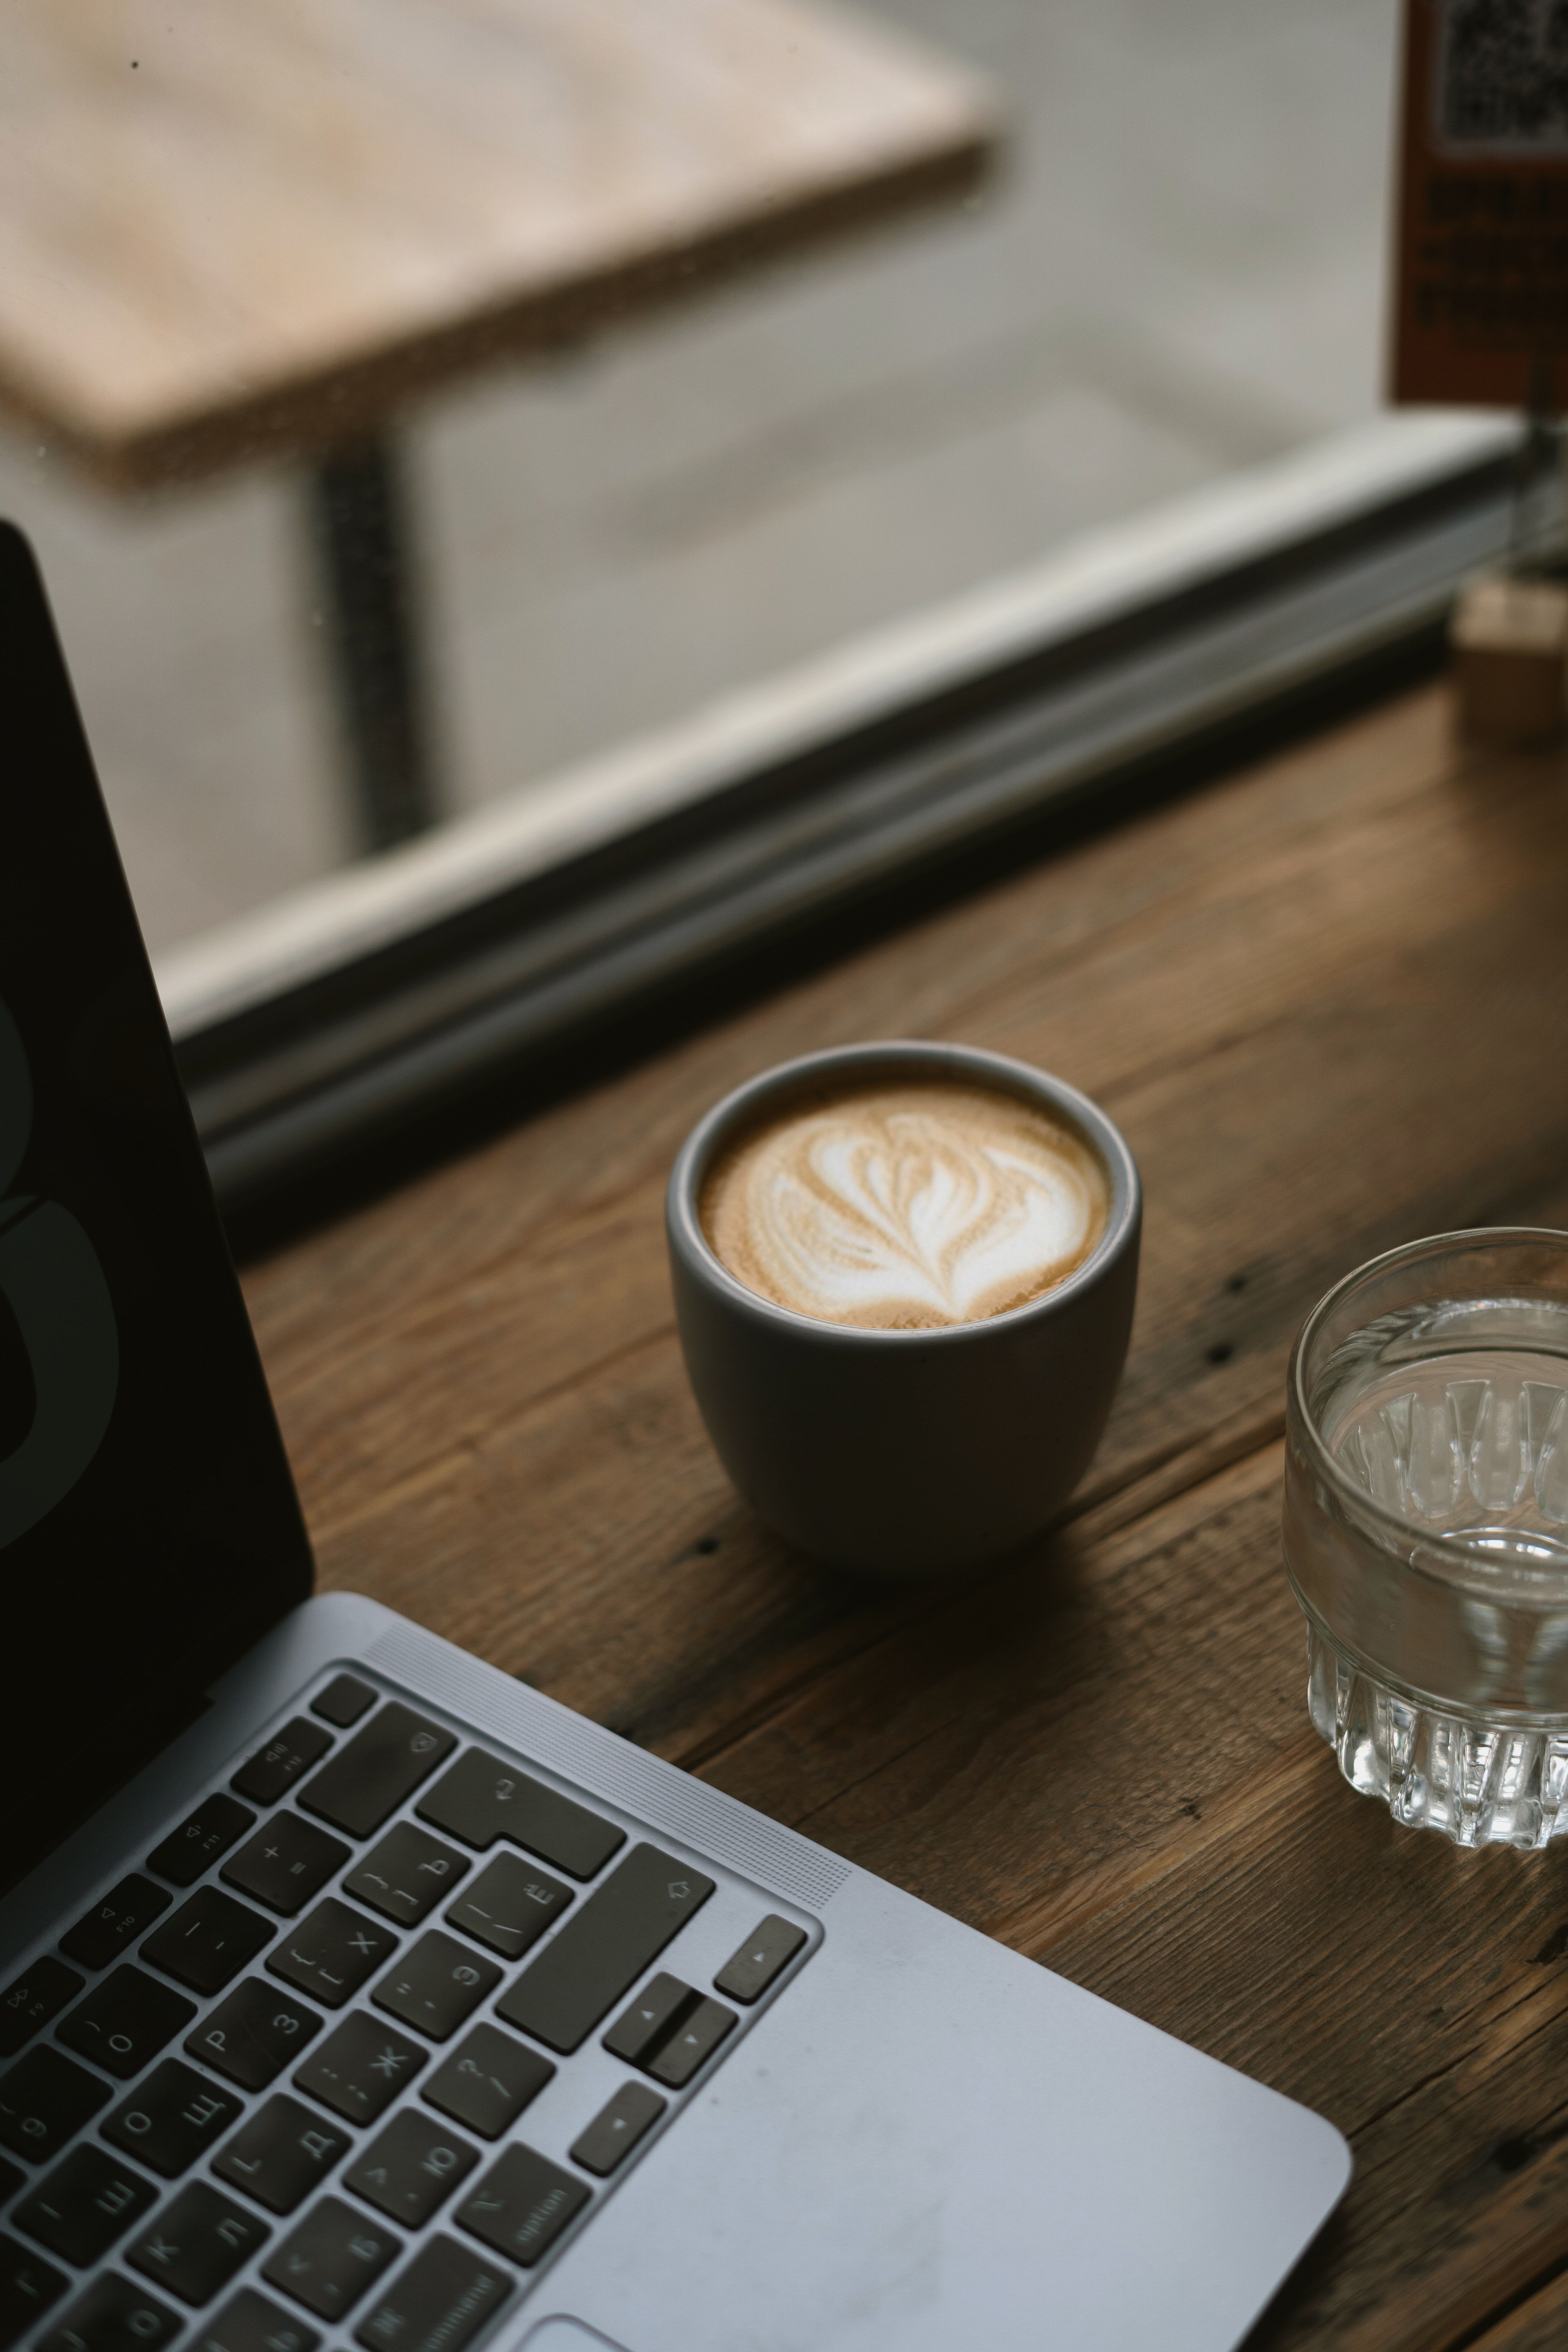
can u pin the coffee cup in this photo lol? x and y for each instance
(908, 1439)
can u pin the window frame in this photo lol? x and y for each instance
(359, 1009)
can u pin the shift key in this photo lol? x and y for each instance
(604, 1946)
(379, 1766)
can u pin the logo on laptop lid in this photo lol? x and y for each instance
(54, 1286)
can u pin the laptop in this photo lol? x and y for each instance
(355, 1995)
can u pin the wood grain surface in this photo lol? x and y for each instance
(1327, 1001)
(226, 229)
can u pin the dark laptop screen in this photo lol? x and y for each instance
(148, 1525)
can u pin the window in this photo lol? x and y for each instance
(973, 489)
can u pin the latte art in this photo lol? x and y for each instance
(907, 1207)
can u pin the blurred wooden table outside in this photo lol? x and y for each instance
(1326, 1000)
(229, 235)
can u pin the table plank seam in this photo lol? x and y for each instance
(1201, 886)
(704, 1755)
(471, 1448)
(1036, 1927)
(1484, 2338)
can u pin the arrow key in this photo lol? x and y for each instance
(616, 2129)
(663, 2003)
(693, 2041)
(747, 1974)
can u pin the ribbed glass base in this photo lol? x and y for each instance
(1479, 1783)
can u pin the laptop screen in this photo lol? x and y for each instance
(148, 1529)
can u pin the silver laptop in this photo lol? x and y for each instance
(354, 1994)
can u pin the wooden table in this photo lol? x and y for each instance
(1328, 1003)
(230, 231)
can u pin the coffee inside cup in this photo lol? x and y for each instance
(906, 1205)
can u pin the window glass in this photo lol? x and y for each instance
(1175, 272)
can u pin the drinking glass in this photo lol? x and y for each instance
(1427, 1530)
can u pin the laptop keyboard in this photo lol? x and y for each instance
(282, 2076)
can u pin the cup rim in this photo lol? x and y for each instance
(1453, 1557)
(1003, 1071)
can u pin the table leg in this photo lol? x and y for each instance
(360, 532)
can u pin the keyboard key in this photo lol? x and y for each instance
(197, 2243)
(105, 1931)
(616, 2129)
(251, 2323)
(113, 2317)
(487, 2081)
(521, 2205)
(209, 1939)
(406, 1875)
(437, 1985)
(330, 2259)
(30, 2000)
(170, 2118)
(44, 2099)
(657, 2010)
(28, 2287)
(603, 1948)
(411, 2167)
(125, 2021)
(211, 1830)
(252, 2035)
(88, 2200)
(286, 1864)
(282, 2153)
(481, 1799)
(444, 2296)
(381, 1764)
(12, 2178)
(747, 1974)
(276, 1766)
(333, 1953)
(343, 1701)
(692, 2044)
(508, 1906)
(361, 2067)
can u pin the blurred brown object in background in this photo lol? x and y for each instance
(260, 232)
(1480, 281)
(1510, 641)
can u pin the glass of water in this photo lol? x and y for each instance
(1427, 1530)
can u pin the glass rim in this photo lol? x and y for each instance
(1432, 1550)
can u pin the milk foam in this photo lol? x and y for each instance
(907, 1207)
